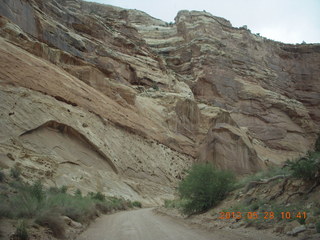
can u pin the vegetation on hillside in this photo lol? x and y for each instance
(19, 200)
(306, 168)
(205, 186)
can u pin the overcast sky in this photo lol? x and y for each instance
(289, 21)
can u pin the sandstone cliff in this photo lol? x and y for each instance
(107, 99)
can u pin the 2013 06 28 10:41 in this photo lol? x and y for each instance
(265, 215)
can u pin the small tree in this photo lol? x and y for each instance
(306, 168)
(204, 187)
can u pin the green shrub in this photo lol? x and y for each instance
(318, 227)
(2, 176)
(28, 200)
(117, 203)
(63, 189)
(306, 167)
(137, 204)
(204, 187)
(33, 201)
(98, 196)
(113, 203)
(15, 173)
(78, 193)
(21, 231)
(37, 191)
(168, 203)
(78, 209)
(24, 205)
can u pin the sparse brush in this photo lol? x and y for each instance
(98, 196)
(33, 201)
(129, 204)
(37, 191)
(155, 86)
(118, 203)
(54, 190)
(78, 209)
(167, 203)
(240, 207)
(15, 172)
(176, 203)
(318, 226)
(264, 174)
(302, 221)
(137, 204)
(306, 168)
(24, 205)
(78, 193)
(82, 214)
(21, 231)
(52, 221)
(254, 206)
(27, 202)
(113, 203)
(2, 176)
(316, 212)
(63, 189)
(104, 207)
(5, 208)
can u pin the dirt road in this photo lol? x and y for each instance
(144, 224)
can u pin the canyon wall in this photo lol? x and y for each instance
(106, 99)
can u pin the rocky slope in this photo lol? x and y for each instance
(107, 99)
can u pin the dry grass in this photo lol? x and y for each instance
(52, 221)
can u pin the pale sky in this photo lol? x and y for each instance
(289, 21)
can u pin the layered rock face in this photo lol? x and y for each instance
(107, 99)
